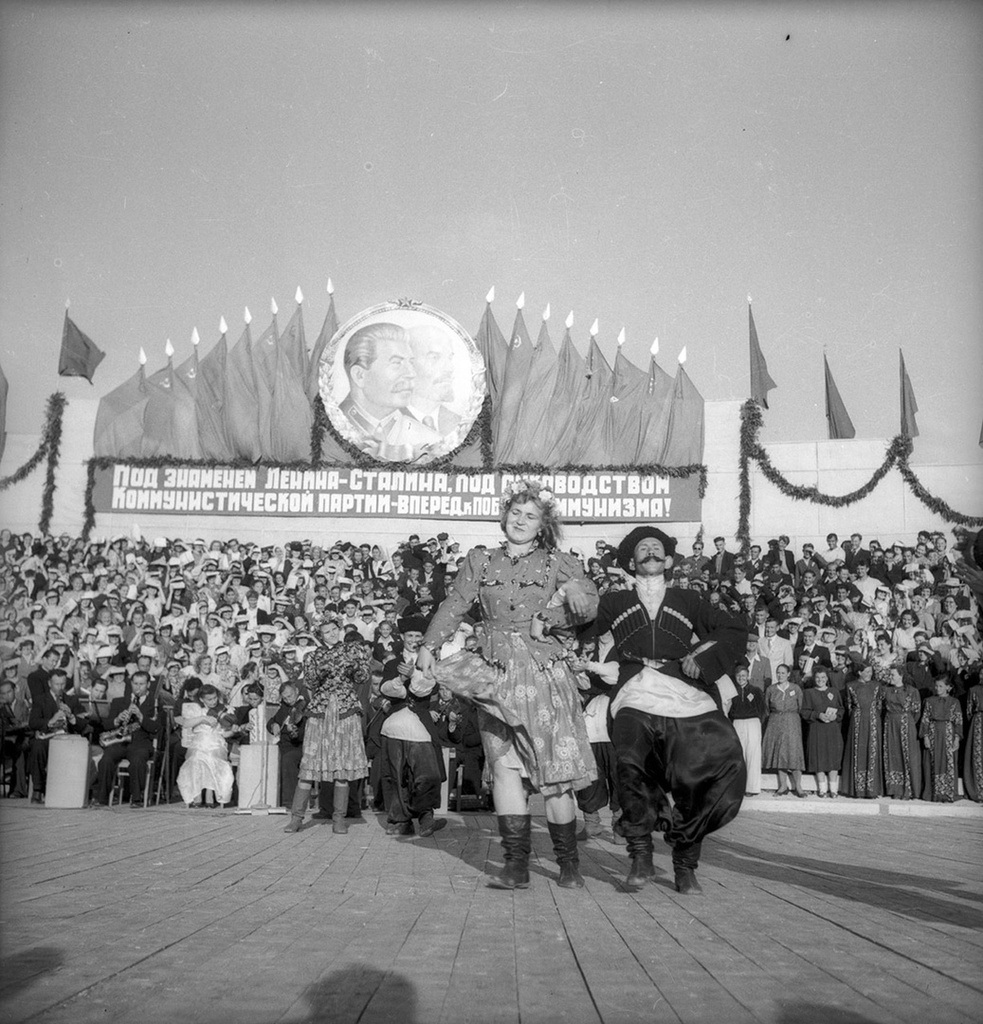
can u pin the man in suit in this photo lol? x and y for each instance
(138, 715)
(808, 648)
(52, 711)
(722, 562)
(433, 390)
(775, 649)
(669, 731)
(379, 364)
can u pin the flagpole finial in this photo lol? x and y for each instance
(682, 355)
(546, 313)
(490, 297)
(520, 301)
(330, 287)
(223, 327)
(569, 320)
(749, 298)
(298, 296)
(621, 337)
(273, 307)
(195, 339)
(68, 303)
(169, 349)
(594, 328)
(143, 357)
(654, 348)
(247, 316)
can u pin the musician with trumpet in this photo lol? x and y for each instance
(135, 725)
(52, 712)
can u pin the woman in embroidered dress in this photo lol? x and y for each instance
(862, 774)
(334, 748)
(941, 730)
(532, 727)
(973, 764)
(902, 758)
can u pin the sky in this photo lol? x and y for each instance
(647, 165)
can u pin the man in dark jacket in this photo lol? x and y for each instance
(670, 729)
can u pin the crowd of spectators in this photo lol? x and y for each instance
(81, 622)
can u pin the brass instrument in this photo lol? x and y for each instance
(125, 727)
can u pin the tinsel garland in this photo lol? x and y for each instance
(50, 447)
(897, 454)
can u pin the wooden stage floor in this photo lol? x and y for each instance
(170, 915)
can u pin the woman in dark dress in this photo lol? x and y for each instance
(902, 758)
(822, 710)
(862, 765)
(973, 764)
(941, 729)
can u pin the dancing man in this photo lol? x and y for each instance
(670, 730)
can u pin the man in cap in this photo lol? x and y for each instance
(669, 732)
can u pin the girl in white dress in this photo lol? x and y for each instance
(207, 765)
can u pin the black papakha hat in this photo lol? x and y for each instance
(626, 549)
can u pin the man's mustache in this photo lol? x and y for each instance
(651, 558)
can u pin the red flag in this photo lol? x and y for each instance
(628, 397)
(761, 382)
(170, 426)
(491, 344)
(685, 424)
(593, 406)
(291, 416)
(80, 355)
(654, 417)
(118, 432)
(505, 415)
(535, 413)
(4, 388)
(328, 330)
(242, 401)
(263, 352)
(559, 430)
(210, 402)
(908, 404)
(837, 418)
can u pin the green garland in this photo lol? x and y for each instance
(50, 447)
(898, 453)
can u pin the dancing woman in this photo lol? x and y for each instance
(334, 750)
(529, 713)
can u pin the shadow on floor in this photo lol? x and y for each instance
(20, 970)
(361, 993)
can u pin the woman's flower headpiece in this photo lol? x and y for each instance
(528, 486)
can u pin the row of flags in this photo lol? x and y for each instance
(551, 407)
(838, 421)
(559, 408)
(251, 402)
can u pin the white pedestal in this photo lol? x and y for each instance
(252, 792)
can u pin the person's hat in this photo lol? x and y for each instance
(115, 670)
(412, 624)
(113, 629)
(267, 628)
(626, 549)
(105, 652)
(147, 652)
(221, 649)
(11, 663)
(443, 536)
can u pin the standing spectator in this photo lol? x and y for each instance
(781, 748)
(722, 562)
(902, 758)
(941, 729)
(973, 764)
(822, 710)
(862, 766)
(747, 712)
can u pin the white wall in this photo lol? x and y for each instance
(891, 513)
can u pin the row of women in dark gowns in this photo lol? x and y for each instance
(894, 744)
